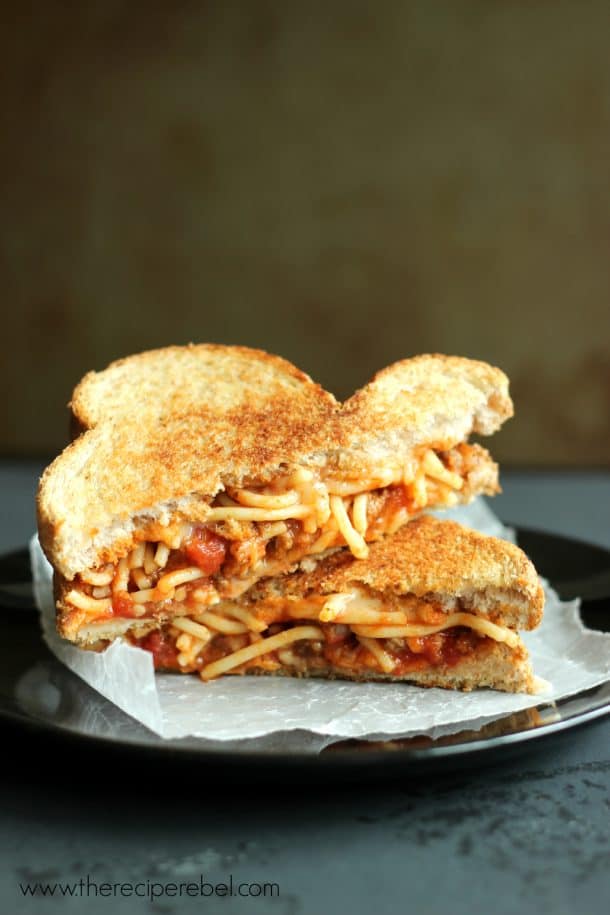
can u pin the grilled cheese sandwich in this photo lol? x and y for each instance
(200, 470)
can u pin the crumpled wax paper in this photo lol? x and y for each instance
(564, 653)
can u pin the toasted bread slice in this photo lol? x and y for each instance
(169, 430)
(178, 380)
(436, 399)
(405, 395)
(436, 604)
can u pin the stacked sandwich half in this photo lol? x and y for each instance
(219, 509)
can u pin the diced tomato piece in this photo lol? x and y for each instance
(162, 648)
(430, 614)
(417, 644)
(435, 647)
(122, 604)
(396, 498)
(206, 549)
(335, 633)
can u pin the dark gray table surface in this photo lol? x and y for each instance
(527, 836)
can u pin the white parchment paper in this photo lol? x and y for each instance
(563, 652)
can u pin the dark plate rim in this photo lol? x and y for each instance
(337, 757)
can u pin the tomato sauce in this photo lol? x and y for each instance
(163, 649)
(340, 648)
(443, 649)
(206, 550)
(123, 604)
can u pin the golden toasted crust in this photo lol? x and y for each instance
(170, 428)
(492, 664)
(177, 379)
(180, 421)
(438, 398)
(489, 576)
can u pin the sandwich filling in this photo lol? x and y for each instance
(353, 633)
(183, 569)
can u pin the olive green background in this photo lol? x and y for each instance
(343, 183)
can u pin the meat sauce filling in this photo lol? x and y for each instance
(339, 649)
(221, 559)
(204, 549)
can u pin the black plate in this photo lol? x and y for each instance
(38, 696)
